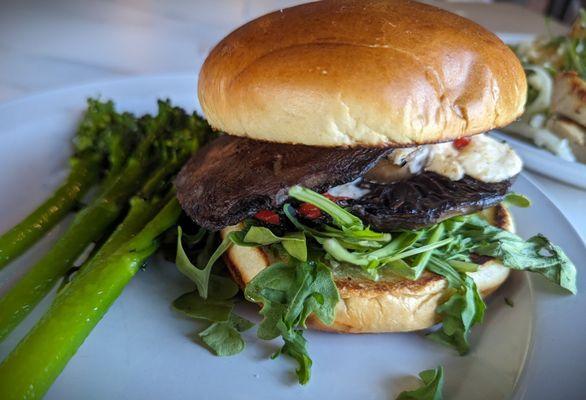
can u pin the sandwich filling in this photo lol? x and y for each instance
(234, 178)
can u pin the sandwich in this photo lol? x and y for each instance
(353, 182)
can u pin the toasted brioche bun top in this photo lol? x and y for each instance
(361, 73)
(391, 304)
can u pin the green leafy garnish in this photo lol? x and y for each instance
(335, 249)
(342, 218)
(192, 240)
(200, 276)
(355, 238)
(422, 259)
(517, 200)
(432, 381)
(464, 309)
(537, 254)
(463, 266)
(194, 306)
(224, 338)
(289, 293)
(445, 249)
(294, 243)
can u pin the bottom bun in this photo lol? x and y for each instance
(391, 304)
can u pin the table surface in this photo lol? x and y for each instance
(47, 45)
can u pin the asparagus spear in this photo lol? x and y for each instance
(170, 129)
(103, 135)
(31, 368)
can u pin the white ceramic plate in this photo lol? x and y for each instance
(142, 350)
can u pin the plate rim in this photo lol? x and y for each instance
(520, 385)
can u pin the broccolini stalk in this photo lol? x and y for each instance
(140, 213)
(102, 142)
(31, 368)
(170, 137)
(143, 208)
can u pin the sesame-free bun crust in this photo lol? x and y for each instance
(391, 304)
(361, 73)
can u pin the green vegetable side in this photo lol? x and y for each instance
(135, 160)
(102, 143)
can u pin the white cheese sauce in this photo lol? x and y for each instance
(484, 158)
(350, 190)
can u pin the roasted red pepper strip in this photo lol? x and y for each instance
(309, 211)
(268, 216)
(461, 143)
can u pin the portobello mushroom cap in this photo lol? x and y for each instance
(233, 178)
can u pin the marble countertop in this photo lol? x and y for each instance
(47, 45)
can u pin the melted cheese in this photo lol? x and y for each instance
(484, 158)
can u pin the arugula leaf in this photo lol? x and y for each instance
(389, 255)
(401, 268)
(343, 218)
(410, 253)
(464, 309)
(463, 266)
(194, 239)
(517, 200)
(433, 384)
(401, 243)
(223, 338)
(218, 305)
(364, 239)
(200, 276)
(289, 293)
(296, 347)
(192, 305)
(335, 249)
(421, 260)
(294, 242)
(417, 250)
(536, 254)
